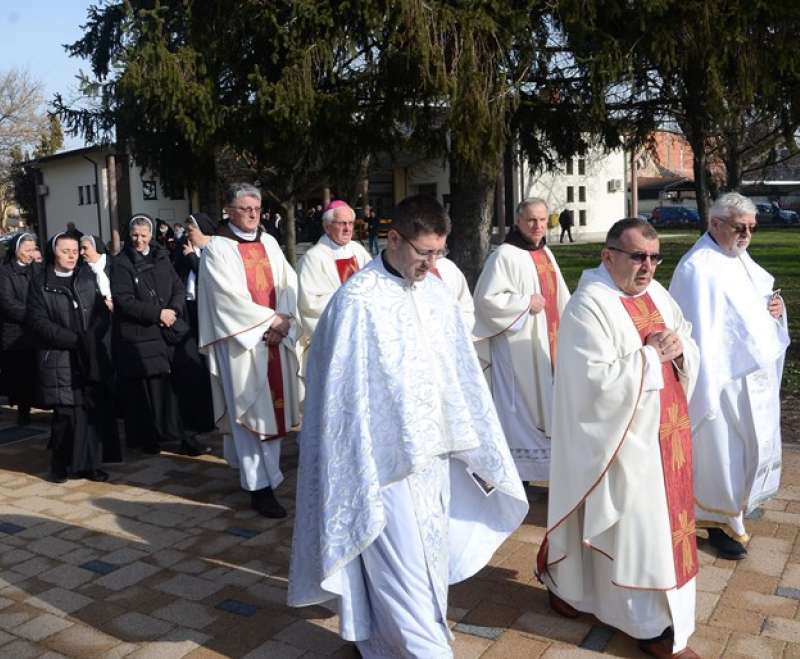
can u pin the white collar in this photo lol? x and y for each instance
(63, 274)
(242, 234)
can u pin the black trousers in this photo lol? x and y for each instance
(151, 412)
(74, 441)
(568, 231)
(19, 377)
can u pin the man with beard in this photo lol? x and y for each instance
(739, 323)
(519, 298)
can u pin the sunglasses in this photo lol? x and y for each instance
(741, 229)
(639, 257)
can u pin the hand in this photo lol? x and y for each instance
(537, 303)
(775, 307)
(272, 337)
(667, 344)
(109, 304)
(281, 324)
(187, 248)
(168, 317)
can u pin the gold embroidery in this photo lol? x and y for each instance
(254, 262)
(682, 536)
(673, 428)
(644, 319)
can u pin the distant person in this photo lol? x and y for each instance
(178, 231)
(373, 226)
(566, 220)
(73, 231)
(739, 323)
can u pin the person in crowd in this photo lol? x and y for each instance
(620, 541)
(739, 322)
(566, 219)
(63, 312)
(73, 231)
(178, 231)
(164, 236)
(191, 374)
(17, 350)
(373, 225)
(37, 255)
(519, 299)
(247, 308)
(405, 482)
(327, 265)
(149, 322)
(93, 253)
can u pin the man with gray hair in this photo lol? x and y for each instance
(739, 323)
(247, 305)
(519, 298)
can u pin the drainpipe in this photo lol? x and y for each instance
(97, 197)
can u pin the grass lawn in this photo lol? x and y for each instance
(775, 249)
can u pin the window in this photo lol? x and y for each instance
(582, 166)
(570, 194)
(80, 195)
(582, 193)
(569, 167)
(94, 189)
(582, 218)
(88, 192)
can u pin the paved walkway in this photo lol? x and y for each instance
(166, 560)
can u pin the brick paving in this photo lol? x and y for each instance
(167, 560)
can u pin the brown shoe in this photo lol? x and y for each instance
(662, 649)
(561, 607)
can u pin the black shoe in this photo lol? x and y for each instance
(192, 447)
(151, 449)
(727, 547)
(97, 476)
(265, 503)
(57, 476)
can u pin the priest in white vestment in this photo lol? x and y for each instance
(519, 298)
(405, 483)
(457, 284)
(247, 305)
(620, 542)
(739, 323)
(327, 265)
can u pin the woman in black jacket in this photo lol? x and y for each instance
(62, 316)
(17, 350)
(149, 319)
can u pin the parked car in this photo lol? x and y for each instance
(770, 214)
(674, 216)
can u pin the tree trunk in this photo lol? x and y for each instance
(699, 164)
(471, 208)
(290, 235)
(733, 163)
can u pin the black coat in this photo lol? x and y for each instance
(141, 287)
(62, 318)
(15, 280)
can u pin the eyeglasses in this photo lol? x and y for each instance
(342, 224)
(741, 229)
(639, 257)
(248, 209)
(428, 253)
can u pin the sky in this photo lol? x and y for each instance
(31, 37)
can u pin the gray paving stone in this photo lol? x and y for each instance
(59, 601)
(491, 633)
(42, 626)
(189, 587)
(34, 566)
(127, 576)
(785, 591)
(66, 576)
(598, 638)
(274, 650)
(133, 626)
(188, 614)
(52, 547)
(20, 649)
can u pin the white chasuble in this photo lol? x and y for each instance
(521, 365)
(227, 312)
(735, 409)
(456, 282)
(395, 396)
(609, 545)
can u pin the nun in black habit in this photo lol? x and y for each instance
(16, 348)
(63, 314)
(149, 321)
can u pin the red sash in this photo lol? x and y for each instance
(548, 283)
(262, 290)
(435, 271)
(346, 268)
(675, 440)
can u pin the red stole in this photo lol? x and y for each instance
(262, 290)
(435, 271)
(548, 284)
(346, 268)
(675, 440)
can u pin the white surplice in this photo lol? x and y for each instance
(397, 419)
(455, 280)
(521, 370)
(735, 409)
(609, 535)
(318, 280)
(231, 335)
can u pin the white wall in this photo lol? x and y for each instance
(63, 177)
(169, 210)
(602, 207)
